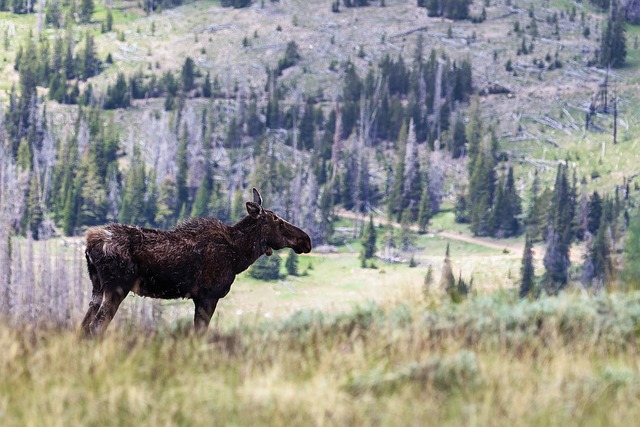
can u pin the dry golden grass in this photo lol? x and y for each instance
(490, 361)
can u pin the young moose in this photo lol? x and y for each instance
(199, 259)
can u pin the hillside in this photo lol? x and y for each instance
(149, 118)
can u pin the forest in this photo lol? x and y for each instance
(441, 154)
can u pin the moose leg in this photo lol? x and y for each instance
(94, 306)
(108, 308)
(96, 299)
(204, 310)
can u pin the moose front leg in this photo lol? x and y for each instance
(204, 310)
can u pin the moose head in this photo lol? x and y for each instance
(277, 233)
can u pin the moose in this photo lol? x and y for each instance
(197, 260)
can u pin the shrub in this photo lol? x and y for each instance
(266, 268)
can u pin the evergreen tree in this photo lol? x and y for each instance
(599, 265)
(631, 266)
(369, 240)
(412, 187)
(133, 208)
(90, 63)
(25, 156)
(53, 13)
(594, 209)
(424, 214)
(93, 202)
(507, 209)
(428, 280)
(201, 201)
(70, 212)
(527, 272)
(266, 268)
(307, 126)
(481, 193)
(292, 263)
(188, 75)
(117, 95)
(166, 204)
(237, 206)
(560, 233)
(613, 42)
(206, 87)
(182, 191)
(474, 134)
(459, 138)
(109, 23)
(34, 215)
(397, 190)
(536, 210)
(406, 237)
(447, 281)
(86, 11)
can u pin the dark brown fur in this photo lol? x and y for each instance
(199, 260)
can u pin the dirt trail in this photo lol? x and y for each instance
(513, 248)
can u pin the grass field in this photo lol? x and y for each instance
(489, 361)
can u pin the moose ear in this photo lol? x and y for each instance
(253, 209)
(257, 198)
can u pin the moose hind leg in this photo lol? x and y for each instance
(96, 298)
(202, 316)
(108, 308)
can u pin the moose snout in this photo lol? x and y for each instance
(304, 245)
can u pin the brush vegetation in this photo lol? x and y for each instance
(497, 360)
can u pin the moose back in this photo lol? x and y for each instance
(199, 260)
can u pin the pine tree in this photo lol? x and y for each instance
(536, 210)
(24, 159)
(527, 272)
(183, 169)
(34, 214)
(447, 281)
(291, 263)
(459, 138)
(369, 238)
(406, 237)
(395, 196)
(201, 201)
(90, 63)
(166, 204)
(206, 87)
(560, 232)
(109, 24)
(188, 75)
(631, 266)
(481, 193)
(412, 186)
(599, 265)
(307, 127)
(428, 280)
(424, 214)
(507, 208)
(594, 209)
(70, 213)
(266, 268)
(93, 202)
(237, 206)
(133, 208)
(613, 42)
(474, 134)
(86, 11)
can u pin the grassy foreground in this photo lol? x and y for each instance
(494, 360)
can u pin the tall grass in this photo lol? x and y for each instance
(571, 360)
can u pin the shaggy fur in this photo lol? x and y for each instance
(199, 260)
